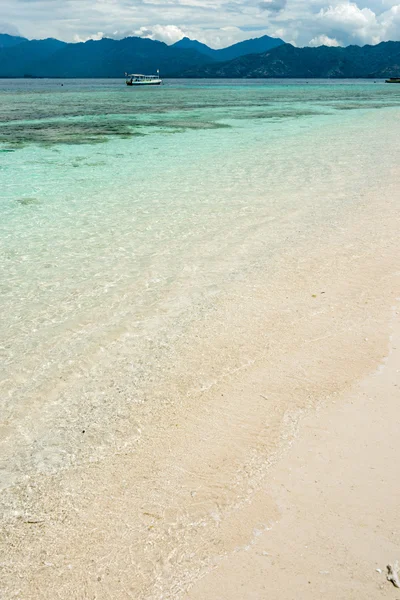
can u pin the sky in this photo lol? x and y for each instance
(217, 23)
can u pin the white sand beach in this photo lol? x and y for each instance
(200, 386)
(280, 471)
(336, 501)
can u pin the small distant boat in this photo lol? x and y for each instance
(137, 79)
(393, 80)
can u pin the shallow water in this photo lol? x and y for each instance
(138, 236)
(164, 294)
(78, 112)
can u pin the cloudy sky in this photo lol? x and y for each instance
(215, 22)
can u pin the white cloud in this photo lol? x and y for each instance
(324, 40)
(215, 22)
(348, 16)
(164, 33)
(390, 21)
(95, 36)
(360, 24)
(8, 28)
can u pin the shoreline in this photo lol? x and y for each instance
(169, 513)
(141, 441)
(337, 504)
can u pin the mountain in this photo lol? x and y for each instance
(188, 44)
(111, 58)
(378, 61)
(102, 58)
(21, 59)
(253, 46)
(6, 41)
(188, 58)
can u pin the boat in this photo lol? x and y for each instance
(138, 79)
(393, 80)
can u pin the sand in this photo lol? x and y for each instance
(337, 498)
(261, 459)
(274, 478)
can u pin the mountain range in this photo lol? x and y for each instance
(253, 46)
(287, 61)
(262, 57)
(107, 57)
(6, 41)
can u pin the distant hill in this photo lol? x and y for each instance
(102, 58)
(111, 58)
(188, 44)
(189, 58)
(6, 41)
(253, 46)
(22, 59)
(380, 61)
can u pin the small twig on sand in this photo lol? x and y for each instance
(33, 522)
(393, 574)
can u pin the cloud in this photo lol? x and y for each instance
(8, 28)
(273, 5)
(215, 22)
(164, 33)
(359, 24)
(94, 36)
(347, 15)
(323, 40)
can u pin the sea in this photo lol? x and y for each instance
(128, 211)
(142, 232)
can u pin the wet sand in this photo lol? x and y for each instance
(264, 444)
(236, 440)
(337, 502)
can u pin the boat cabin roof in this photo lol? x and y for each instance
(140, 75)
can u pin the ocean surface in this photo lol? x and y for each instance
(125, 211)
(125, 214)
(156, 245)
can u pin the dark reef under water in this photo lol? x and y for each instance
(46, 114)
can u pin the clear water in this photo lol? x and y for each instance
(128, 214)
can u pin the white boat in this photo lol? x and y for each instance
(137, 79)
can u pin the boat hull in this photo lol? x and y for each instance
(142, 83)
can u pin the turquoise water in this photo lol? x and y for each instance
(51, 112)
(128, 215)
